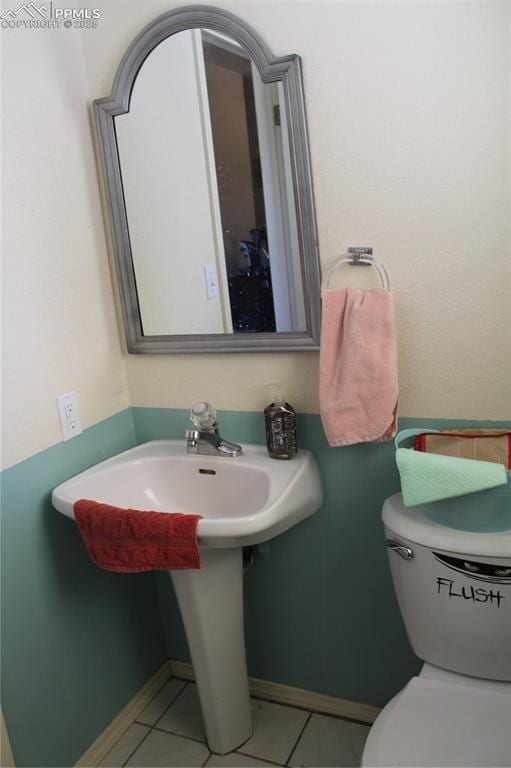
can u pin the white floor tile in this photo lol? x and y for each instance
(166, 749)
(328, 742)
(128, 742)
(235, 760)
(161, 701)
(276, 729)
(184, 715)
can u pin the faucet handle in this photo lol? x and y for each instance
(203, 416)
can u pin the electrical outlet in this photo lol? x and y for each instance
(69, 415)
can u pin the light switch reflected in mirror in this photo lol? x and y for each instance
(211, 212)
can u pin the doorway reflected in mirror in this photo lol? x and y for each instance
(240, 183)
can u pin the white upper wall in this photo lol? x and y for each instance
(408, 112)
(60, 330)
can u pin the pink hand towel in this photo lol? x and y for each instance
(358, 384)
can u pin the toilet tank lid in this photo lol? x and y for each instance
(412, 524)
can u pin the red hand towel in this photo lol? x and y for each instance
(130, 541)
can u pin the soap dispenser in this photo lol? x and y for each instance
(280, 418)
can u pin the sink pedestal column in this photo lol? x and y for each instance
(211, 605)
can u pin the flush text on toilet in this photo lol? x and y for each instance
(448, 588)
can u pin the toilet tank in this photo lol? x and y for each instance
(454, 591)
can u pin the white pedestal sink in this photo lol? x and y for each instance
(246, 500)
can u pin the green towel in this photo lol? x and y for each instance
(430, 477)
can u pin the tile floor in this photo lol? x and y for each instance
(170, 733)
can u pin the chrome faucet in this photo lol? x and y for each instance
(205, 439)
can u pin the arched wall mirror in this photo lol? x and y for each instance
(204, 153)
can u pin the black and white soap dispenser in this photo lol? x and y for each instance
(280, 418)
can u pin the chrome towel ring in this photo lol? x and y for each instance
(357, 256)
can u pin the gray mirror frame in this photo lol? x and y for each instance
(286, 69)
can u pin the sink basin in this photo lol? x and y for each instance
(244, 500)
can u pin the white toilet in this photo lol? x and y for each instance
(454, 592)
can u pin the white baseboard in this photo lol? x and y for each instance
(296, 697)
(112, 733)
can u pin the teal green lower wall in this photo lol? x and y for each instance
(320, 611)
(77, 642)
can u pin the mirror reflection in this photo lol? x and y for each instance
(206, 172)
